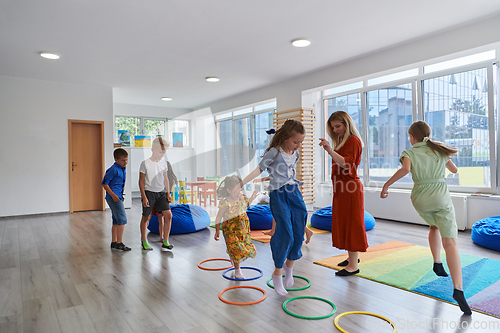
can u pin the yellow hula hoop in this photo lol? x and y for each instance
(336, 321)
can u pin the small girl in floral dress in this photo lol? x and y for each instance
(235, 224)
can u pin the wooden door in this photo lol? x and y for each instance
(86, 165)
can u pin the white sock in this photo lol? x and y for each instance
(288, 276)
(278, 285)
(238, 274)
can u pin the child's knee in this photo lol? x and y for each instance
(449, 243)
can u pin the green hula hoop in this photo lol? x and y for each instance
(311, 318)
(292, 289)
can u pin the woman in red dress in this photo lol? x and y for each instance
(348, 222)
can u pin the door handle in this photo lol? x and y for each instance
(73, 165)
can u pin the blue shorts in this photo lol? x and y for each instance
(117, 211)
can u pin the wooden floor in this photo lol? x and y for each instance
(58, 274)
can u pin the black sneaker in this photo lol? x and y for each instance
(113, 245)
(123, 247)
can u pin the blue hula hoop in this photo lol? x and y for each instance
(250, 279)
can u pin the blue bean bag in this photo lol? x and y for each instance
(486, 232)
(260, 217)
(322, 219)
(185, 219)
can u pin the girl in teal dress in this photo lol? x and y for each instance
(426, 161)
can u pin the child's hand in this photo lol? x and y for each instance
(115, 198)
(216, 237)
(384, 193)
(255, 193)
(169, 198)
(145, 202)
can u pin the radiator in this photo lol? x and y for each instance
(398, 206)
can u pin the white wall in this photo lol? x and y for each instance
(148, 111)
(205, 142)
(34, 174)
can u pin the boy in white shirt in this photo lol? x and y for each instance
(154, 185)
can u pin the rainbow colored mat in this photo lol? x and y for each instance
(409, 267)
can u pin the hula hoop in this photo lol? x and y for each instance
(250, 279)
(214, 269)
(248, 303)
(292, 289)
(311, 297)
(365, 313)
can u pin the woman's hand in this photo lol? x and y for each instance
(385, 192)
(326, 145)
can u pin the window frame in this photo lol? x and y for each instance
(229, 115)
(418, 114)
(142, 129)
(488, 64)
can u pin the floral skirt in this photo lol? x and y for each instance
(236, 233)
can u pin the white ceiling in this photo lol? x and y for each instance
(149, 49)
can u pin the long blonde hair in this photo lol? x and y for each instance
(350, 129)
(285, 132)
(421, 130)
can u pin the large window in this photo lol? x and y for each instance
(242, 138)
(243, 151)
(132, 125)
(352, 105)
(390, 114)
(154, 127)
(175, 131)
(456, 108)
(263, 122)
(457, 98)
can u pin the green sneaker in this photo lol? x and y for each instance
(146, 246)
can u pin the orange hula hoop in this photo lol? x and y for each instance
(214, 269)
(249, 303)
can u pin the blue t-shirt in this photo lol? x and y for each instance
(115, 178)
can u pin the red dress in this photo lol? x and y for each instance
(348, 212)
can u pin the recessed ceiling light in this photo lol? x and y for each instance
(300, 42)
(50, 56)
(212, 79)
(166, 98)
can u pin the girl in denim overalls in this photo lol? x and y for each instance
(287, 205)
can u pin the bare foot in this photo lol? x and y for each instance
(269, 232)
(309, 234)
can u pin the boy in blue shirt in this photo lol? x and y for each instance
(114, 183)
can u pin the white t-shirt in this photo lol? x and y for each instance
(289, 160)
(154, 181)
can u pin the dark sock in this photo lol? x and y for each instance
(458, 296)
(439, 269)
